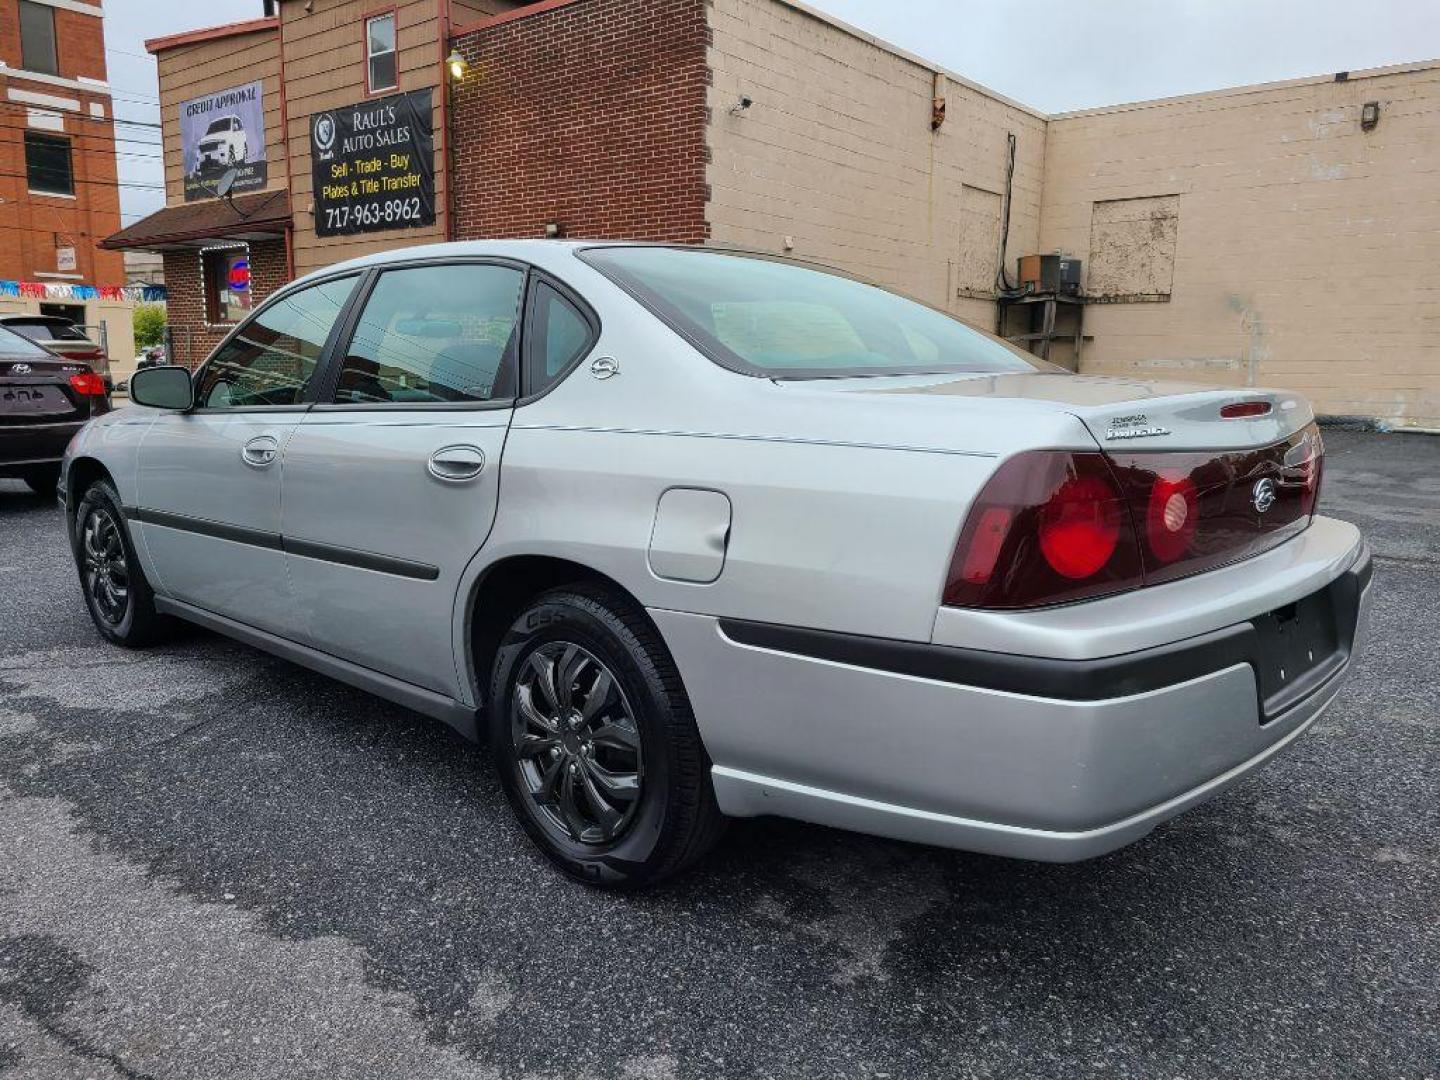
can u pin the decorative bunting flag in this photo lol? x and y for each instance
(46, 290)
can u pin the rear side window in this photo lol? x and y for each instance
(783, 320)
(271, 360)
(558, 335)
(434, 334)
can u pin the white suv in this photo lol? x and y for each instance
(225, 143)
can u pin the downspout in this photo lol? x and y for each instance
(285, 147)
(443, 13)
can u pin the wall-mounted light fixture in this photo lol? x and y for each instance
(1369, 115)
(457, 65)
(740, 106)
(554, 230)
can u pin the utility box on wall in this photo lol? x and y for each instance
(1050, 274)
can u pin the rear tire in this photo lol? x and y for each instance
(595, 741)
(43, 480)
(117, 595)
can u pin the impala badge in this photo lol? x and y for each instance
(20, 369)
(1134, 426)
(1263, 496)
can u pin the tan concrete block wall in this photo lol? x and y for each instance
(837, 152)
(1305, 250)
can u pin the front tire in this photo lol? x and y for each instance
(117, 595)
(595, 741)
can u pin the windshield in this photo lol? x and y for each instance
(218, 127)
(769, 317)
(12, 345)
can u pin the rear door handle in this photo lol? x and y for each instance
(456, 464)
(260, 451)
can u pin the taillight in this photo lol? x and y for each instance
(1053, 526)
(88, 384)
(1171, 516)
(1049, 526)
(1240, 409)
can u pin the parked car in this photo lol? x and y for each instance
(151, 357)
(61, 336)
(688, 533)
(44, 401)
(223, 144)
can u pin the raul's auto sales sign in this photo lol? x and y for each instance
(373, 165)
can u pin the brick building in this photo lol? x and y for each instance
(1269, 235)
(58, 184)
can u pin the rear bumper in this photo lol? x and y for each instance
(1067, 760)
(27, 446)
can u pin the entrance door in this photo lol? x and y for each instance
(209, 484)
(391, 486)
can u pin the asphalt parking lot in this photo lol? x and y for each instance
(215, 864)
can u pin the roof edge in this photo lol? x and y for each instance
(1251, 88)
(487, 21)
(210, 33)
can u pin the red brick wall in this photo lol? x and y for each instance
(590, 114)
(192, 337)
(35, 225)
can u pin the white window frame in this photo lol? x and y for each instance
(394, 50)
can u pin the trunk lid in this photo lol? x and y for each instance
(39, 392)
(1123, 413)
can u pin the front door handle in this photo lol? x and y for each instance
(456, 464)
(260, 451)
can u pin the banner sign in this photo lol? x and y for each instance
(374, 165)
(221, 132)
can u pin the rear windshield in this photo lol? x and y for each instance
(780, 319)
(12, 344)
(46, 331)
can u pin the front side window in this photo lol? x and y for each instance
(227, 285)
(47, 165)
(272, 359)
(431, 334)
(37, 38)
(380, 53)
(784, 320)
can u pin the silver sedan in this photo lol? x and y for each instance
(690, 534)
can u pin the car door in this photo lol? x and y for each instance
(391, 484)
(208, 493)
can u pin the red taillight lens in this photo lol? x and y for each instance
(1171, 517)
(1080, 526)
(1312, 471)
(1049, 526)
(1242, 409)
(88, 385)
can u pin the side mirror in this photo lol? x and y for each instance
(162, 388)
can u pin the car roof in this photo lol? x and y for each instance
(546, 254)
(22, 319)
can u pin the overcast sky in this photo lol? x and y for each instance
(1053, 54)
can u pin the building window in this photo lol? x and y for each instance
(227, 284)
(37, 38)
(380, 53)
(47, 165)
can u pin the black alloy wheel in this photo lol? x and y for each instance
(104, 566)
(577, 743)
